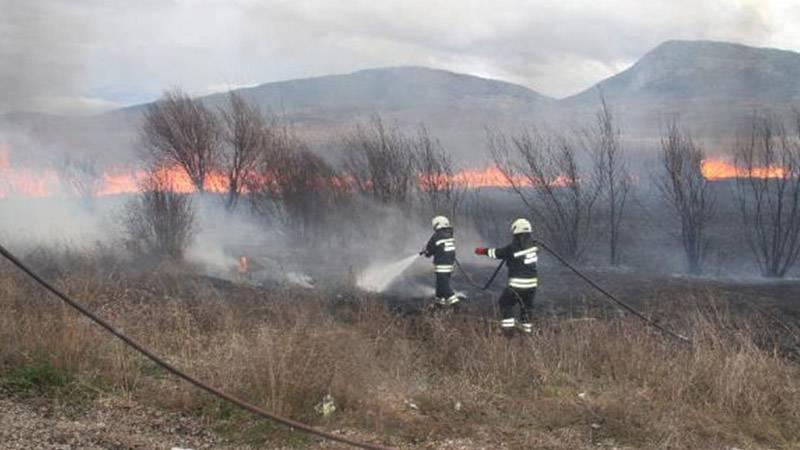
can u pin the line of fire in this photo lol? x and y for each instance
(44, 182)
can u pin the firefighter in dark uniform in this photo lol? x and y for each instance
(520, 256)
(442, 246)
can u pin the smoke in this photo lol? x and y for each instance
(37, 208)
(45, 50)
(387, 254)
(56, 221)
(273, 253)
(223, 238)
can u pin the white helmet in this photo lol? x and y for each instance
(440, 222)
(520, 226)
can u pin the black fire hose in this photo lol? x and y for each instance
(619, 302)
(476, 285)
(177, 372)
(563, 261)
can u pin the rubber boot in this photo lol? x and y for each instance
(508, 326)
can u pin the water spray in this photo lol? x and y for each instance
(378, 277)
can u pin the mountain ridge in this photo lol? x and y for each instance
(705, 68)
(713, 86)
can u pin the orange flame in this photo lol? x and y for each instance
(716, 169)
(45, 182)
(119, 182)
(181, 183)
(26, 182)
(244, 267)
(4, 164)
(494, 177)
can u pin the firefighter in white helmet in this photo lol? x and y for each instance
(442, 246)
(520, 256)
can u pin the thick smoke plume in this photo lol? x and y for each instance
(44, 50)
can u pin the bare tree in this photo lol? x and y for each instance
(293, 184)
(265, 184)
(604, 143)
(490, 218)
(544, 171)
(81, 176)
(687, 191)
(159, 222)
(768, 192)
(436, 177)
(179, 130)
(308, 193)
(245, 135)
(379, 162)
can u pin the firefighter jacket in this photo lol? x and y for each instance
(521, 256)
(442, 247)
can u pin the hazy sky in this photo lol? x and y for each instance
(81, 56)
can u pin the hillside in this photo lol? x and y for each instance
(713, 86)
(390, 89)
(705, 70)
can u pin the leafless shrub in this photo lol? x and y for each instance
(543, 170)
(379, 162)
(604, 143)
(440, 190)
(262, 183)
(768, 192)
(159, 222)
(245, 135)
(308, 192)
(80, 176)
(687, 191)
(293, 184)
(179, 130)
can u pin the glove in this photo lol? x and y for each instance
(481, 250)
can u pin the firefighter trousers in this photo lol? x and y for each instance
(443, 289)
(511, 297)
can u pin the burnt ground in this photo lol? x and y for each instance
(772, 306)
(560, 291)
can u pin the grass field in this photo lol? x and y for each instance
(409, 380)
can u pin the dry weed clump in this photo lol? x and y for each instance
(573, 384)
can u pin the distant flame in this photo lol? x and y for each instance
(27, 182)
(244, 267)
(487, 177)
(120, 182)
(4, 164)
(44, 182)
(715, 169)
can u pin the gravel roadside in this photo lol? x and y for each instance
(114, 423)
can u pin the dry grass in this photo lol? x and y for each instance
(573, 385)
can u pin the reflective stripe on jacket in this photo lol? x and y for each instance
(521, 256)
(442, 246)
